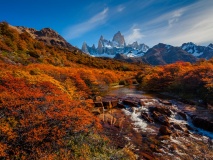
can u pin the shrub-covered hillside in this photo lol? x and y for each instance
(21, 47)
(45, 100)
(191, 81)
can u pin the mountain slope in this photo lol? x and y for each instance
(25, 46)
(162, 54)
(198, 51)
(208, 52)
(46, 35)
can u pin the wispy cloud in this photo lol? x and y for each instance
(197, 25)
(134, 35)
(175, 17)
(120, 8)
(168, 18)
(90, 24)
(191, 23)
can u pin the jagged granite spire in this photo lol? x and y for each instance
(84, 48)
(119, 39)
(210, 45)
(100, 45)
(107, 48)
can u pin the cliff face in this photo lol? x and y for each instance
(119, 39)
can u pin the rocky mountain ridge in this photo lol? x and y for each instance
(159, 54)
(46, 35)
(198, 51)
(162, 54)
(107, 48)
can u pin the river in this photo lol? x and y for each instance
(163, 128)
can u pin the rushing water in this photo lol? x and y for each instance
(133, 92)
(195, 143)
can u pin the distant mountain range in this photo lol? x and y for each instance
(107, 48)
(159, 54)
(117, 48)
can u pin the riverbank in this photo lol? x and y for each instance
(154, 127)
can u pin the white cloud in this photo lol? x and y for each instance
(193, 23)
(79, 29)
(175, 17)
(134, 35)
(168, 18)
(120, 8)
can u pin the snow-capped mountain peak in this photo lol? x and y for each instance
(119, 39)
(188, 45)
(194, 49)
(117, 46)
(210, 46)
(107, 48)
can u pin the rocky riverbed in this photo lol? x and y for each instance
(156, 128)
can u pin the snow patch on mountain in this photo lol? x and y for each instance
(193, 49)
(210, 46)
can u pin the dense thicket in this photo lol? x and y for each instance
(45, 100)
(182, 78)
(44, 109)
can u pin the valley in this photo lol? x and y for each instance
(52, 98)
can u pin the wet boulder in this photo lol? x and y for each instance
(154, 148)
(173, 147)
(107, 104)
(165, 102)
(131, 103)
(177, 134)
(114, 103)
(164, 130)
(203, 123)
(178, 127)
(210, 107)
(147, 156)
(161, 109)
(164, 137)
(98, 104)
(189, 127)
(146, 117)
(141, 103)
(146, 102)
(162, 119)
(120, 105)
(182, 115)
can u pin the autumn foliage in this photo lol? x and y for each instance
(38, 117)
(45, 99)
(46, 94)
(43, 106)
(182, 78)
(22, 48)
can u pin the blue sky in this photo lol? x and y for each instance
(146, 21)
